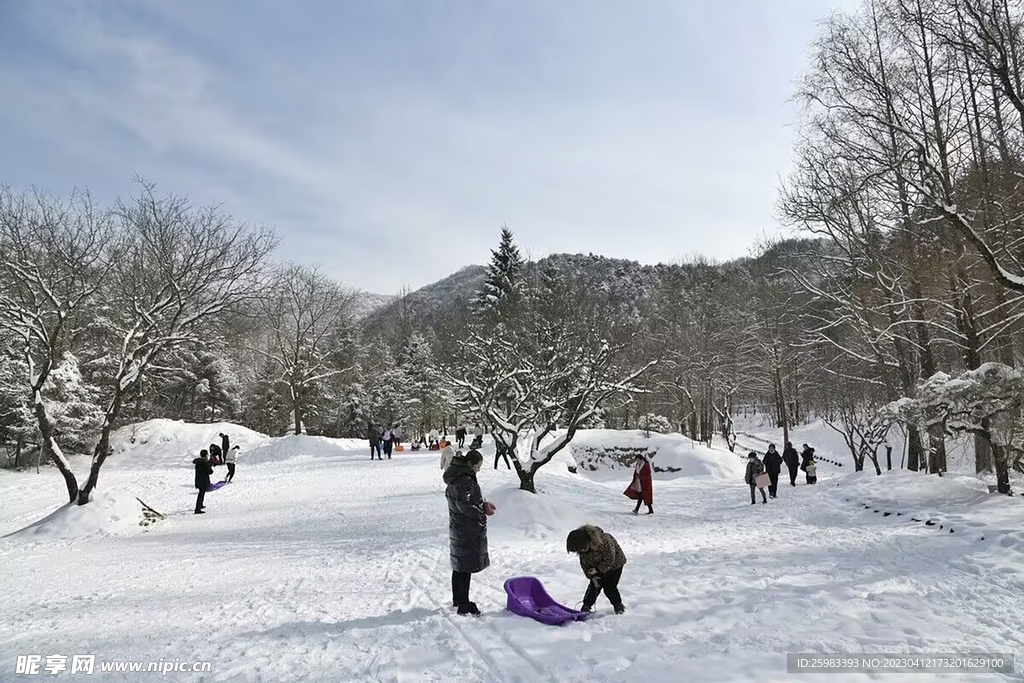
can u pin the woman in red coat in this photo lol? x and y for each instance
(641, 489)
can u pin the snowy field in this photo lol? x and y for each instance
(317, 564)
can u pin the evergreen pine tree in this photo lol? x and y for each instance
(500, 296)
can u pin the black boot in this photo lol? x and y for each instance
(469, 608)
(619, 609)
(650, 509)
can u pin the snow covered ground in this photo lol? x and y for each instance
(317, 564)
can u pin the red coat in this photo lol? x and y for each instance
(641, 488)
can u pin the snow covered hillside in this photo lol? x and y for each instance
(317, 564)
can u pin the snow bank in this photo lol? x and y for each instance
(109, 512)
(536, 516)
(296, 445)
(605, 454)
(174, 443)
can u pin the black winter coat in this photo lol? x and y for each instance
(467, 523)
(203, 471)
(772, 462)
(806, 458)
(225, 444)
(791, 457)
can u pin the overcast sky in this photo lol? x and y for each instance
(389, 140)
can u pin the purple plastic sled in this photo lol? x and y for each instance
(527, 598)
(217, 485)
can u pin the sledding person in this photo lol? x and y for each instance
(773, 465)
(792, 460)
(374, 438)
(467, 527)
(460, 436)
(602, 561)
(203, 471)
(230, 460)
(806, 459)
(755, 468)
(641, 489)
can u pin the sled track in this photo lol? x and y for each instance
(492, 666)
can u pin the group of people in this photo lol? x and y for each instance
(761, 474)
(383, 439)
(217, 454)
(600, 556)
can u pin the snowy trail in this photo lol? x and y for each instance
(336, 569)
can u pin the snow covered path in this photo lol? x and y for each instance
(336, 569)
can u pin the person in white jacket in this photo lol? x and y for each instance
(232, 454)
(447, 454)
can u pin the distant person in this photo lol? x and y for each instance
(396, 435)
(447, 455)
(460, 436)
(373, 436)
(501, 452)
(230, 460)
(203, 471)
(386, 438)
(215, 455)
(478, 431)
(641, 489)
(467, 527)
(602, 561)
(755, 468)
(433, 437)
(773, 466)
(806, 460)
(225, 445)
(792, 460)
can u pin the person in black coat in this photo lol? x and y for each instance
(467, 527)
(373, 435)
(215, 454)
(460, 436)
(225, 446)
(203, 471)
(773, 466)
(792, 460)
(806, 458)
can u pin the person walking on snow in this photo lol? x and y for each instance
(792, 460)
(460, 436)
(500, 452)
(433, 437)
(807, 462)
(386, 438)
(467, 527)
(602, 561)
(225, 445)
(641, 489)
(773, 465)
(755, 468)
(374, 438)
(203, 471)
(230, 460)
(396, 436)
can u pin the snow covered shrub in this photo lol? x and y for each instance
(658, 424)
(73, 405)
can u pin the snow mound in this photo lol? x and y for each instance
(604, 454)
(174, 443)
(298, 445)
(108, 513)
(538, 516)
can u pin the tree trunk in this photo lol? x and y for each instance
(102, 450)
(888, 458)
(1002, 468)
(49, 448)
(298, 413)
(914, 448)
(982, 451)
(526, 479)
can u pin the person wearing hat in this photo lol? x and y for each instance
(467, 527)
(203, 471)
(792, 460)
(755, 468)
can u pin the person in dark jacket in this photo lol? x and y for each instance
(773, 466)
(754, 468)
(467, 527)
(387, 439)
(374, 438)
(203, 471)
(460, 436)
(806, 458)
(499, 452)
(792, 460)
(602, 561)
(215, 455)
